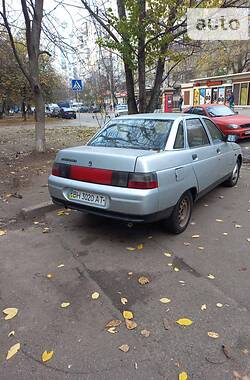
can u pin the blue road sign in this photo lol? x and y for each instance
(76, 84)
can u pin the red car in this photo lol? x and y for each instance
(229, 122)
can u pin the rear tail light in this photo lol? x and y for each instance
(142, 181)
(106, 177)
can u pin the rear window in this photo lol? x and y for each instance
(135, 133)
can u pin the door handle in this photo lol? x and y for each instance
(194, 156)
(218, 150)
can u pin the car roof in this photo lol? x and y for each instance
(158, 116)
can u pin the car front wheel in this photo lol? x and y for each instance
(233, 179)
(181, 214)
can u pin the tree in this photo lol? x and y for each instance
(147, 33)
(32, 11)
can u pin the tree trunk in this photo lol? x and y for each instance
(132, 106)
(141, 57)
(155, 92)
(39, 120)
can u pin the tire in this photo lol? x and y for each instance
(179, 219)
(233, 179)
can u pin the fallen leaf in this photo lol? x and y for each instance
(186, 243)
(184, 322)
(10, 312)
(36, 223)
(219, 304)
(130, 273)
(183, 376)
(127, 314)
(237, 225)
(124, 300)
(225, 233)
(13, 350)
(46, 230)
(143, 280)
(211, 276)
(112, 330)
(130, 249)
(124, 348)
(95, 295)
(195, 236)
(167, 254)
(11, 333)
(213, 334)
(203, 307)
(201, 248)
(221, 196)
(113, 323)
(140, 246)
(47, 355)
(170, 264)
(176, 269)
(3, 232)
(65, 304)
(145, 333)
(165, 300)
(49, 275)
(205, 205)
(60, 266)
(248, 239)
(131, 325)
(219, 220)
(61, 212)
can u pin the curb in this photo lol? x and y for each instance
(38, 210)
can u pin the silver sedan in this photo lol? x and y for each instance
(147, 167)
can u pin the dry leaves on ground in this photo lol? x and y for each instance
(165, 300)
(140, 246)
(211, 276)
(3, 232)
(47, 355)
(130, 249)
(113, 323)
(95, 295)
(124, 348)
(213, 334)
(10, 312)
(184, 322)
(49, 275)
(11, 333)
(131, 325)
(203, 307)
(13, 350)
(145, 333)
(112, 330)
(183, 376)
(127, 314)
(195, 236)
(124, 300)
(143, 280)
(65, 304)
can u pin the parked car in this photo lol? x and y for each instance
(121, 109)
(55, 112)
(67, 113)
(49, 109)
(146, 167)
(95, 109)
(84, 109)
(227, 120)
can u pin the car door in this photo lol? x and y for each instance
(202, 154)
(223, 149)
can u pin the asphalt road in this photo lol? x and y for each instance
(95, 258)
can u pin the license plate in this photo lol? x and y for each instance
(247, 133)
(89, 198)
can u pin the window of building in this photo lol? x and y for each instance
(243, 94)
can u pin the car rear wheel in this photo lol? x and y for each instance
(233, 179)
(181, 214)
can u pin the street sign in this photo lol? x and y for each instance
(76, 84)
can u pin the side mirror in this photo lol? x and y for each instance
(231, 138)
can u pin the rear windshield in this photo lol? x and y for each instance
(135, 133)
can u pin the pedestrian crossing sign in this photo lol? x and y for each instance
(76, 84)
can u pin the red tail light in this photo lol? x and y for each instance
(142, 181)
(56, 170)
(101, 176)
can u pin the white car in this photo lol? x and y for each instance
(121, 109)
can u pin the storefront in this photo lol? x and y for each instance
(218, 90)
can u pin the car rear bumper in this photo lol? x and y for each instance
(122, 203)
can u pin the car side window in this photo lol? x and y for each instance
(196, 133)
(199, 111)
(179, 140)
(215, 133)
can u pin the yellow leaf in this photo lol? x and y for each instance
(145, 333)
(128, 314)
(124, 348)
(143, 280)
(203, 307)
(195, 236)
(65, 304)
(10, 312)
(3, 232)
(211, 276)
(176, 269)
(113, 323)
(130, 273)
(130, 324)
(165, 300)
(219, 304)
(124, 300)
(140, 246)
(213, 334)
(13, 350)
(47, 355)
(183, 376)
(112, 330)
(60, 266)
(167, 254)
(95, 295)
(130, 249)
(49, 275)
(184, 322)
(11, 333)
(61, 212)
